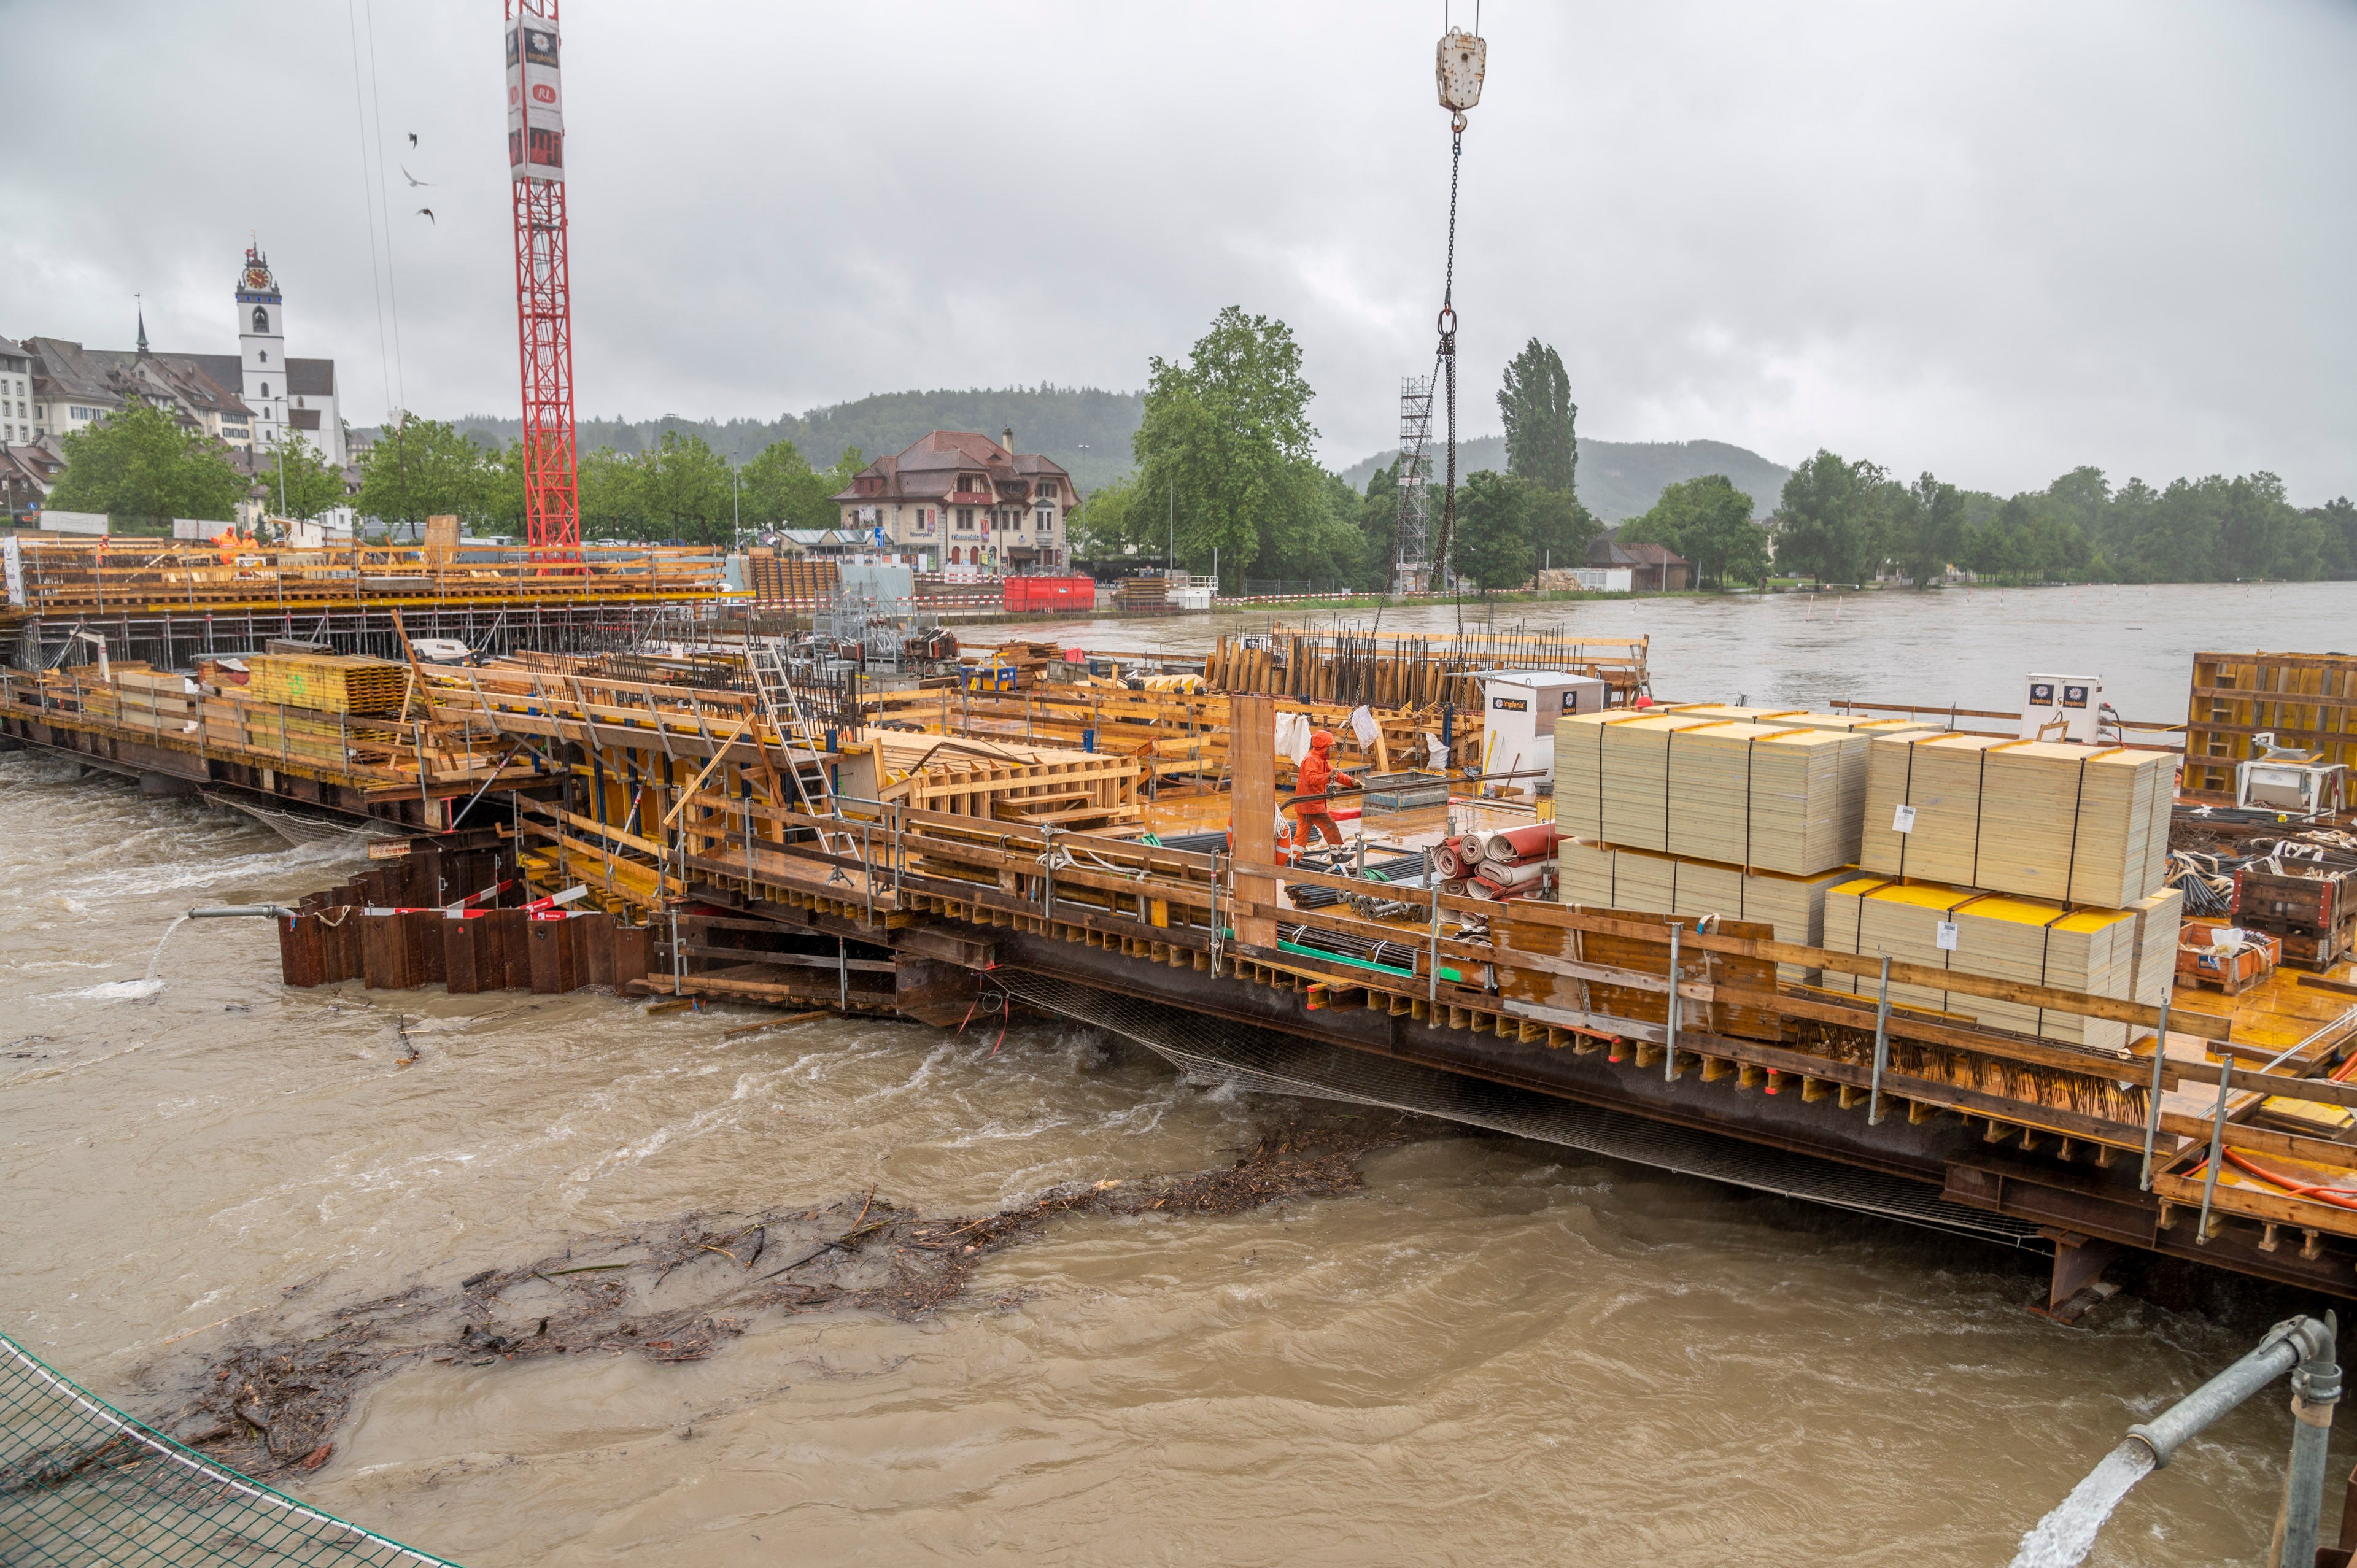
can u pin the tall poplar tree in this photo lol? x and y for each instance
(1542, 436)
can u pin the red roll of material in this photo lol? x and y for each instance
(1481, 891)
(1535, 842)
(1445, 861)
(1500, 875)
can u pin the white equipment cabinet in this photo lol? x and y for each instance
(1519, 710)
(2062, 707)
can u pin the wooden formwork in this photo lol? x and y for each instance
(129, 575)
(2307, 701)
(1036, 785)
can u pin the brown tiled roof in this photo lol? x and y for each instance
(927, 471)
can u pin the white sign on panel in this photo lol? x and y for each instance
(535, 103)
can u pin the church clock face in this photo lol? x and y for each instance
(257, 278)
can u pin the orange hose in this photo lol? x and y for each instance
(2337, 1196)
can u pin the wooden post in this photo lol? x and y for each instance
(1251, 747)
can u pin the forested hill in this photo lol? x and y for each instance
(1086, 430)
(1620, 479)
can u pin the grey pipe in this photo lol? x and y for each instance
(2315, 1389)
(2286, 1345)
(265, 911)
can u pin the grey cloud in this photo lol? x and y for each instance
(1991, 239)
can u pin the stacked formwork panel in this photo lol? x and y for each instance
(2307, 701)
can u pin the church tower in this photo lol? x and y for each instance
(261, 346)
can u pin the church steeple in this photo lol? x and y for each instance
(143, 326)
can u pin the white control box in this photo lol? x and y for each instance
(2062, 707)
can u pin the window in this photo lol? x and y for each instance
(965, 519)
(265, 355)
(1047, 520)
(261, 319)
(265, 389)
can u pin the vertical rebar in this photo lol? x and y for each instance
(1670, 1015)
(1881, 1047)
(2217, 1142)
(2152, 1112)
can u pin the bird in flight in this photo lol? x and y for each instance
(413, 138)
(428, 212)
(411, 177)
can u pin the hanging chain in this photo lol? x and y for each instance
(1446, 361)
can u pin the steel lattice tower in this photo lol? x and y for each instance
(543, 290)
(1412, 548)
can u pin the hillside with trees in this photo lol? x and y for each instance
(1085, 429)
(1621, 480)
(1844, 521)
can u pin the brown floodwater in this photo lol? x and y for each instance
(1498, 1352)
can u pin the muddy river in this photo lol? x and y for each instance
(1495, 1352)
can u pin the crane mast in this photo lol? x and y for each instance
(544, 291)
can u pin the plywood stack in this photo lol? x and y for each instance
(296, 735)
(2041, 818)
(1635, 782)
(1798, 718)
(1939, 775)
(1605, 877)
(1996, 936)
(329, 682)
(2158, 918)
(1579, 770)
(1872, 916)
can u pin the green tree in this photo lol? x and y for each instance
(423, 467)
(1101, 530)
(683, 491)
(1930, 534)
(1225, 445)
(1562, 528)
(609, 494)
(141, 469)
(1709, 521)
(1493, 531)
(1542, 439)
(299, 480)
(2336, 521)
(1830, 521)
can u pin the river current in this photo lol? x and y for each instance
(1498, 1352)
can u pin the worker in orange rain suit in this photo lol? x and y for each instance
(1317, 776)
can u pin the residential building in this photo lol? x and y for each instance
(1654, 567)
(958, 498)
(247, 400)
(27, 473)
(15, 392)
(74, 387)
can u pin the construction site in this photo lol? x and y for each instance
(2066, 984)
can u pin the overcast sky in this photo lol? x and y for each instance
(1991, 239)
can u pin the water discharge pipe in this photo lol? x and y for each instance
(2303, 1348)
(2295, 1343)
(265, 911)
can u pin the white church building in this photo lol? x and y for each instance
(283, 393)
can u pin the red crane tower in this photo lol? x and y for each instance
(552, 494)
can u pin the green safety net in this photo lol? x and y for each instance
(84, 1484)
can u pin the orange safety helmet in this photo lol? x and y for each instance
(1322, 740)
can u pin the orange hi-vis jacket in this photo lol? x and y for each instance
(1316, 774)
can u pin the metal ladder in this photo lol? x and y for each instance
(782, 705)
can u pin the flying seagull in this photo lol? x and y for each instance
(411, 177)
(428, 212)
(413, 138)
